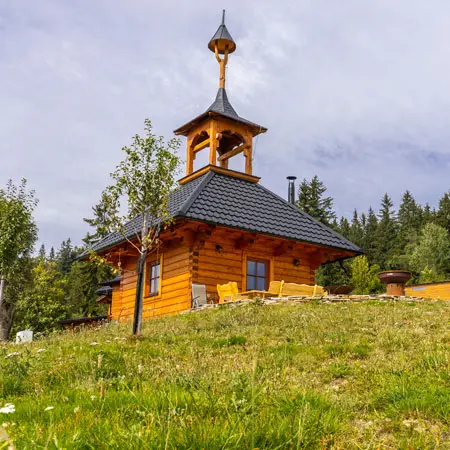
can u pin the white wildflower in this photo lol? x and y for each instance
(49, 408)
(94, 343)
(93, 397)
(12, 354)
(41, 350)
(76, 410)
(9, 408)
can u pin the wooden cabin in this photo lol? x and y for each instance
(227, 226)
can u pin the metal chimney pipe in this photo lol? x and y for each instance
(291, 189)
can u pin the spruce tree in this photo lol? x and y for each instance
(312, 201)
(51, 255)
(443, 213)
(370, 235)
(66, 256)
(344, 227)
(386, 234)
(356, 233)
(410, 217)
(429, 215)
(42, 254)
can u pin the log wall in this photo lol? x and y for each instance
(430, 290)
(213, 266)
(210, 259)
(175, 287)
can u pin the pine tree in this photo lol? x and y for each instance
(312, 201)
(386, 234)
(51, 255)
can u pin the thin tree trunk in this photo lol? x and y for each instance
(2, 291)
(137, 322)
(6, 320)
(5, 326)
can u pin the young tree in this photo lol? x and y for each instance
(312, 201)
(432, 252)
(18, 234)
(143, 181)
(42, 304)
(364, 277)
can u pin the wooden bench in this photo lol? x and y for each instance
(301, 290)
(229, 292)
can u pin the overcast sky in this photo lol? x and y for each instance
(357, 92)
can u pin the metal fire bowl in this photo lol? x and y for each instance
(394, 276)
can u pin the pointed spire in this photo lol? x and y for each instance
(222, 105)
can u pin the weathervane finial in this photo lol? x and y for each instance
(222, 44)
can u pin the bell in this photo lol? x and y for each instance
(222, 38)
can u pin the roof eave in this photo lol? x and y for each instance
(184, 129)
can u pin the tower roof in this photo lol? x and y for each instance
(222, 107)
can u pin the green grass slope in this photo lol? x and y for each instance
(349, 376)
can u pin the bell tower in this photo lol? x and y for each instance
(220, 129)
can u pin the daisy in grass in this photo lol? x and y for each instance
(9, 408)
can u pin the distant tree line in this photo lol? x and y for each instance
(38, 290)
(414, 237)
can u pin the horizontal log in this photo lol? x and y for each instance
(235, 151)
(202, 145)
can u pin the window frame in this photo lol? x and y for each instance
(149, 279)
(266, 277)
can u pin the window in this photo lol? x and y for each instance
(155, 272)
(256, 275)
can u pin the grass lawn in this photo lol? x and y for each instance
(342, 376)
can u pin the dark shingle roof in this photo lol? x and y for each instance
(225, 200)
(222, 106)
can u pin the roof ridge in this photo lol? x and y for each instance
(191, 199)
(311, 218)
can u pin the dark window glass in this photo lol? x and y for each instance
(154, 278)
(251, 267)
(251, 283)
(256, 275)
